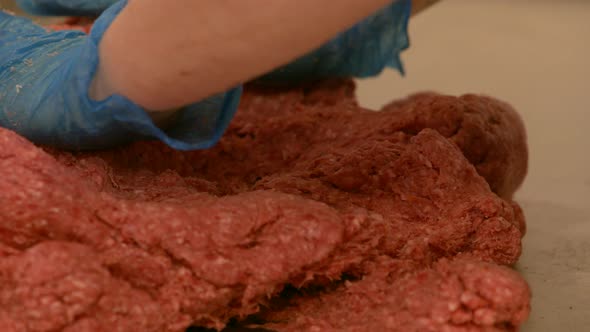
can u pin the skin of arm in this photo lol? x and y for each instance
(167, 54)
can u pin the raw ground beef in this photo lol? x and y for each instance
(311, 214)
(74, 23)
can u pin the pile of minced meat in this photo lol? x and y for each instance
(311, 214)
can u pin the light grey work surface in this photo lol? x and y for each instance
(535, 55)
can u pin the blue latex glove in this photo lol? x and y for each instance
(65, 7)
(44, 94)
(364, 50)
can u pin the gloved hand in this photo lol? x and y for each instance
(362, 51)
(44, 95)
(51, 74)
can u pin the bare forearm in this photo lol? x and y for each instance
(166, 54)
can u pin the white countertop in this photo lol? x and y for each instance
(535, 55)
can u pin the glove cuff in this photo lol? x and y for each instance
(118, 120)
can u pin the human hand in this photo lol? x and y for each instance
(363, 50)
(44, 95)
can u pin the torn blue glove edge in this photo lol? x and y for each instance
(396, 62)
(397, 17)
(362, 51)
(117, 120)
